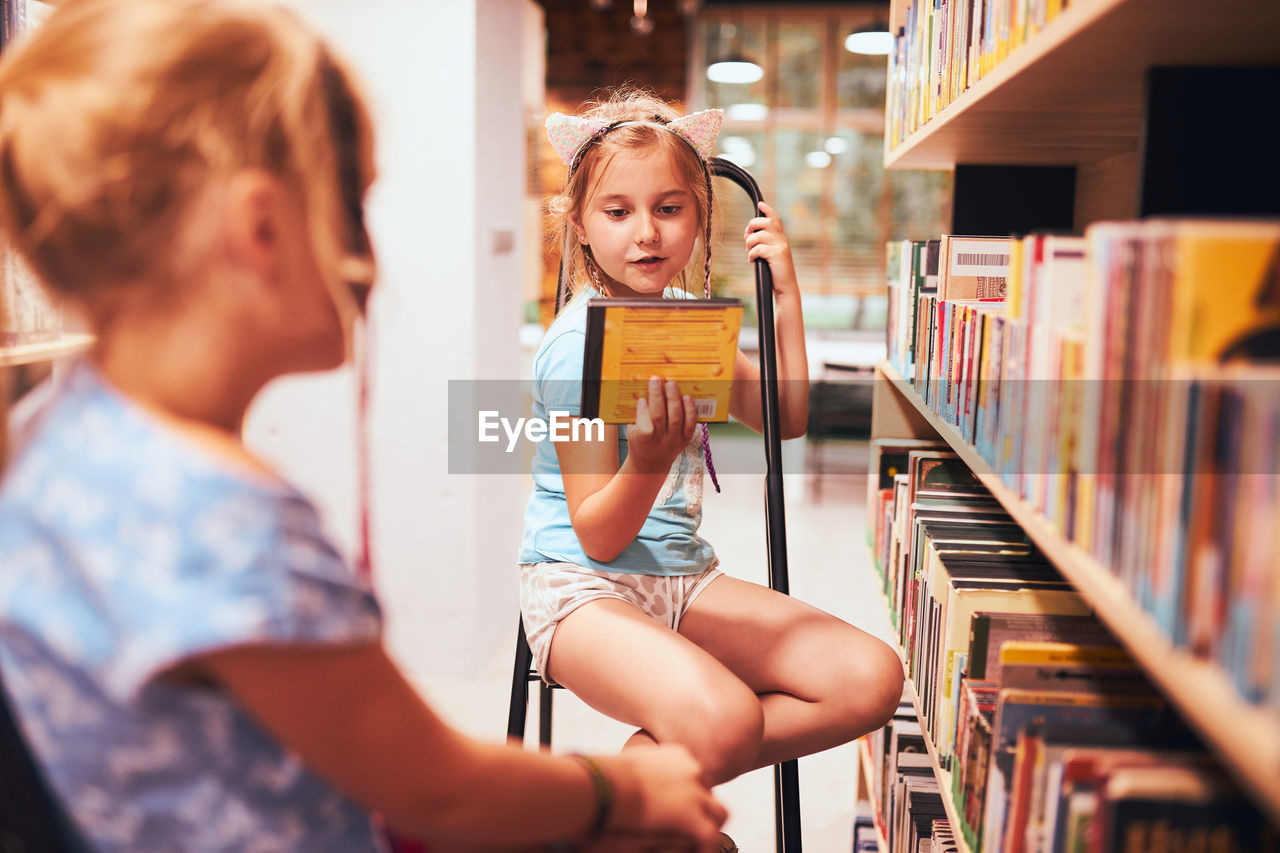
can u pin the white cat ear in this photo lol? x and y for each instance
(567, 133)
(701, 129)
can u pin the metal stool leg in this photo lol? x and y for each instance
(786, 801)
(519, 707)
(518, 711)
(544, 714)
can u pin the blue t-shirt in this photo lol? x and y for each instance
(124, 551)
(668, 542)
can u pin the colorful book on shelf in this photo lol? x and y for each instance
(1081, 772)
(978, 531)
(936, 667)
(924, 279)
(1226, 292)
(975, 716)
(904, 754)
(990, 630)
(888, 459)
(693, 341)
(914, 792)
(1144, 808)
(973, 510)
(959, 598)
(1056, 745)
(878, 747)
(1018, 708)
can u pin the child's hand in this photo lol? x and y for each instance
(765, 239)
(660, 796)
(663, 428)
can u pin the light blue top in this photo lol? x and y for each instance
(124, 551)
(668, 543)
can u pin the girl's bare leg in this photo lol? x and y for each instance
(821, 681)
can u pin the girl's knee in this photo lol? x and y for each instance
(883, 680)
(723, 730)
(865, 687)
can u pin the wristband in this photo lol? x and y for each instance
(604, 795)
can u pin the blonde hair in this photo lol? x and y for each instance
(622, 105)
(118, 115)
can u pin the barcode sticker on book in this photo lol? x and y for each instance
(966, 258)
(705, 407)
(978, 256)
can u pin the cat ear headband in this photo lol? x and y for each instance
(570, 136)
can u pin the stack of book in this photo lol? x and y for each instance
(946, 46)
(1044, 731)
(1127, 385)
(904, 786)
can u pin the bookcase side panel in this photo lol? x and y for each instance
(893, 416)
(1107, 190)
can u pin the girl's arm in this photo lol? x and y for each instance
(353, 719)
(608, 504)
(765, 239)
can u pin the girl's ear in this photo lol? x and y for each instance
(251, 222)
(579, 233)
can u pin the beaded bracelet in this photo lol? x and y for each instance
(604, 795)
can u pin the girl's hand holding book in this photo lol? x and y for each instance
(765, 239)
(663, 428)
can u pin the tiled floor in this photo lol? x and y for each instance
(829, 566)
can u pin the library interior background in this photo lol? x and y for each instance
(1039, 253)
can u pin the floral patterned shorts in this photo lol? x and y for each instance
(551, 591)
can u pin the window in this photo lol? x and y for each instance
(811, 131)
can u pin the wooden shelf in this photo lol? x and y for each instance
(868, 782)
(943, 776)
(45, 351)
(1072, 94)
(1246, 737)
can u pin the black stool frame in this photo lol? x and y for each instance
(786, 774)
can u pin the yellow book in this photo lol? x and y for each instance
(1019, 652)
(1071, 412)
(693, 341)
(1001, 30)
(1016, 286)
(1226, 292)
(1052, 10)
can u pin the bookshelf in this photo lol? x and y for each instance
(943, 776)
(1074, 98)
(1073, 93)
(67, 345)
(1245, 737)
(867, 788)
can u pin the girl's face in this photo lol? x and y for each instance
(641, 222)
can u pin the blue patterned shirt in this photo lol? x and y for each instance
(125, 550)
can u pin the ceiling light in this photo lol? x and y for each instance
(818, 159)
(872, 40)
(836, 145)
(734, 69)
